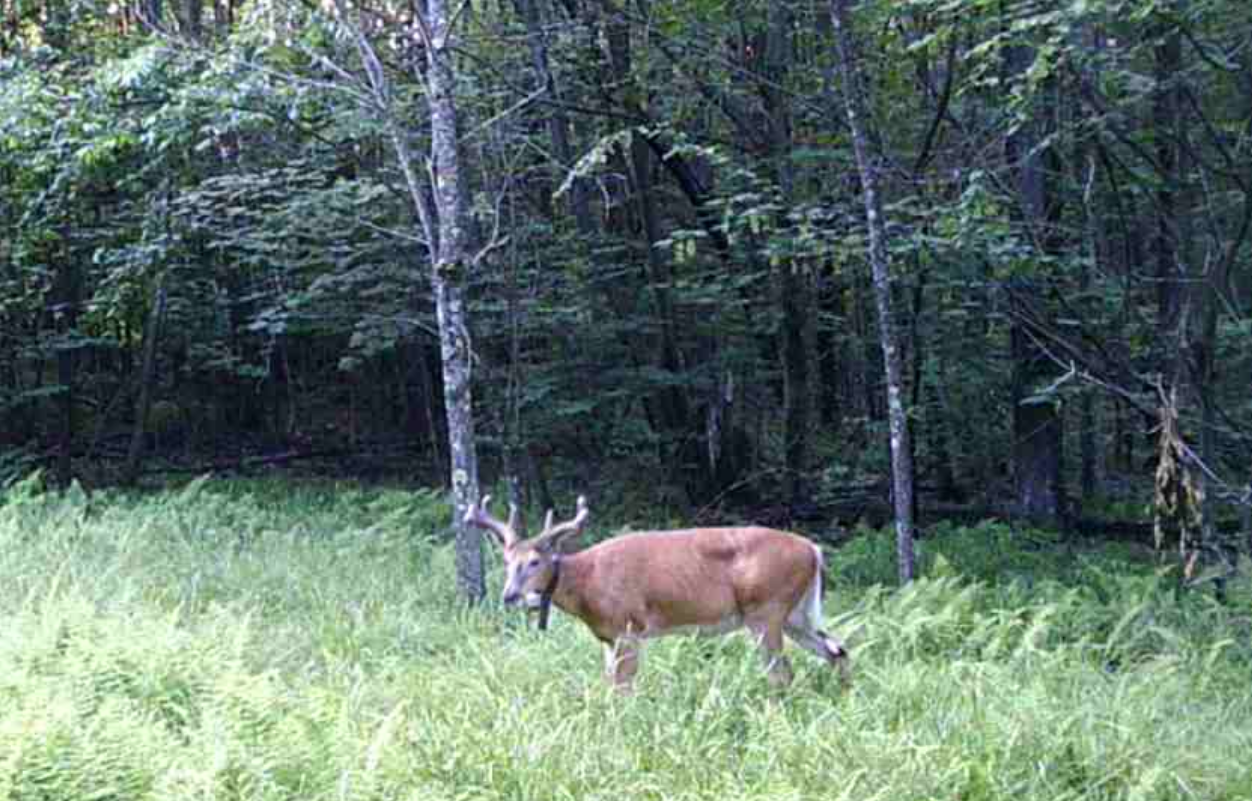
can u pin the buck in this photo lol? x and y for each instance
(648, 584)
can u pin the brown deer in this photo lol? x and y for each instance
(648, 584)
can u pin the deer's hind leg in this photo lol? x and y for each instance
(767, 627)
(802, 627)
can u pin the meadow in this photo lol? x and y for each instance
(272, 640)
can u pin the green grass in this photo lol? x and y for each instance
(302, 641)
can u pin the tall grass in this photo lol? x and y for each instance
(266, 640)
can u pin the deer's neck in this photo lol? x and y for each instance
(570, 593)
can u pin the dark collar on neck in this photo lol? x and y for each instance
(545, 597)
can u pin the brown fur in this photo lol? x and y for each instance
(638, 586)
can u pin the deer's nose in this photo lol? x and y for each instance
(511, 597)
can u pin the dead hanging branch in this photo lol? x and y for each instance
(1087, 360)
(1179, 497)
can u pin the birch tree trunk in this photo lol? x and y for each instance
(448, 275)
(448, 237)
(865, 144)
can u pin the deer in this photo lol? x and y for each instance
(642, 585)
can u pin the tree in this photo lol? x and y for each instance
(680, 318)
(1038, 440)
(867, 147)
(446, 235)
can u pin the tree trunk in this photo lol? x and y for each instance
(943, 435)
(1085, 174)
(1037, 426)
(67, 351)
(1165, 111)
(795, 360)
(865, 143)
(793, 287)
(832, 363)
(447, 277)
(448, 234)
(193, 18)
(672, 413)
(223, 15)
(533, 13)
(1181, 294)
(865, 376)
(421, 421)
(1036, 432)
(151, 11)
(146, 382)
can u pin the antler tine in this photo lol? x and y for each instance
(478, 515)
(572, 525)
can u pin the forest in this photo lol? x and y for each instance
(959, 290)
(870, 262)
(826, 262)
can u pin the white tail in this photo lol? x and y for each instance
(638, 586)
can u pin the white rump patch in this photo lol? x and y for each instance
(807, 614)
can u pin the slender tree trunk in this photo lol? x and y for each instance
(146, 382)
(13, 27)
(830, 354)
(151, 11)
(670, 402)
(942, 445)
(672, 415)
(435, 419)
(193, 18)
(795, 355)
(223, 15)
(1037, 427)
(448, 234)
(1086, 174)
(55, 23)
(448, 278)
(1165, 111)
(865, 375)
(67, 352)
(1183, 289)
(793, 286)
(534, 14)
(916, 347)
(865, 143)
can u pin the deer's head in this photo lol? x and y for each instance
(532, 566)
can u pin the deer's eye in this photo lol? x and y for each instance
(533, 563)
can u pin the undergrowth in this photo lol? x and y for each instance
(259, 640)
